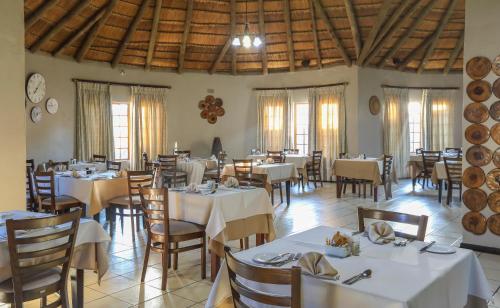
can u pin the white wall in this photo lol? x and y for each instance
(481, 21)
(12, 124)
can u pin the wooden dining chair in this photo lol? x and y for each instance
(215, 174)
(278, 157)
(420, 221)
(168, 170)
(453, 176)
(31, 163)
(47, 199)
(276, 276)
(113, 165)
(291, 151)
(96, 158)
(347, 181)
(185, 153)
(243, 169)
(387, 175)
(31, 204)
(314, 169)
(429, 159)
(40, 261)
(132, 201)
(165, 234)
(453, 152)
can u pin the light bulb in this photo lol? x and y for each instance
(247, 41)
(236, 41)
(257, 42)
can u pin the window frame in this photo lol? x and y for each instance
(115, 148)
(303, 147)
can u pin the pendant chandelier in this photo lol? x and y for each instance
(247, 40)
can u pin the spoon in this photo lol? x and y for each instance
(364, 275)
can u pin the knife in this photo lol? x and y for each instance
(424, 249)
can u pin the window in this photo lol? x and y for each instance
(302, 127)
(120, 130)
(274, 117)
(415, 123)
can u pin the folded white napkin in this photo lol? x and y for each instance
(381, 233)
(315, 264)
(231, 182)
(192, 188)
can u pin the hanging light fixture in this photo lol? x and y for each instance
(247, 40)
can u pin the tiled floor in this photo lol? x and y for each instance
(121, 286)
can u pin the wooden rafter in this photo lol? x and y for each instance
(185, 35)
(454, 54)
(353, 23)
(130, 31)
(439, 30)
(75, 10)
(38, 13)
(226, 46)
(367, 45)
(89, 39)
(407, 34)
(154, 33)
(393, 19)
(391, 32)
(80, 31)
(423, 45)
(289, 38)
(315, 34)
(262, 33)
(331, 31)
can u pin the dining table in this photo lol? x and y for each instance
(90, 252)
(299, 160)
(227, 214)
(438, 174)
(401, 277)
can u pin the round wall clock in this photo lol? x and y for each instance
(52, 105)
(35, 88)
(36, 114)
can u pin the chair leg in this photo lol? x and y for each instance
(203, 257)
(64, 298)
(176, 256)
(43, 302)
(281, 193)
(344, 187)
(320, 180)
(315, 184)
(132, 223)
(146, 260)
(272, 196)
(242, 245)
(165, 260)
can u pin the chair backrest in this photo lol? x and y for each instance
(51, 248)
(317, 156)
(277, 276)
(150, 166)
(30, 189)
(154, 204)
(243, 168)
(168, 163)
(387, 167)
(420, 221)
(277, 156)
(113, 165)
(453, 169)
(30, 163)
(186, 153)
(96, 158)
(291, 151)
(44, 186)
(430, 158)
(453, 152)
(137, 179)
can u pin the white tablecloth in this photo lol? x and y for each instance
(401, 276)
(298, 160)
(275, 172)
(89, 232)
(79, 166)
(195, 169)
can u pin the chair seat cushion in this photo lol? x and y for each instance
(124, 201)
(36, 281)
(61, 201)
(177, 227)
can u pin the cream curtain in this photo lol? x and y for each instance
(272, 120)
(148, 124)
(396, 129)
(439, 106)
(94, 122)
(327, 124)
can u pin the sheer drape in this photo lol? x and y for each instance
(327, 125)
(148, 124)
(94, 124)
(272, 120)
(439, 114)
(396, 130)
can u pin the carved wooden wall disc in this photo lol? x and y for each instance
(494, 224)
(478, 67)
(495, 133)
(476, 113)
(479, 90)
(477, 133)
(494, 201)
(478, 155)
(475, 199)
(473, 177)
(493, 179)
(474, 222)
(495, 111)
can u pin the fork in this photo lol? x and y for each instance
(293, 257)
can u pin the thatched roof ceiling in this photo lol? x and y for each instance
(195, 35)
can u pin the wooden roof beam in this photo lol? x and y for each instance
(80, 31)
(262, 31)
(367, 45)
(185, 35)
(454, 55)
(154, 33)
(315, 34)
(130, 31)
(331, 31)
(408, 33)
(396, 16)
(89, 39)
(75, 10)
(439, 30)
(423, 45)
(38, 13)
(351, 16)
(226, 46)
(289, 37)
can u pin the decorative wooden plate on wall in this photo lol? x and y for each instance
(495, 66)
(478, 155)
(494, 224)
(493, 179)
(476, 113)
(211, 108)
(475, 199)
(495, 133)
(478, 67)
(495, 111)
(496, 88)
(473, 177)
(494, 201)
(496, 158)
(474, 222)
(374, 105)
(479, 90)
(477, 133)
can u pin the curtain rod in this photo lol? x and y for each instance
(420, 88)
(112, 83)
(303, 87)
